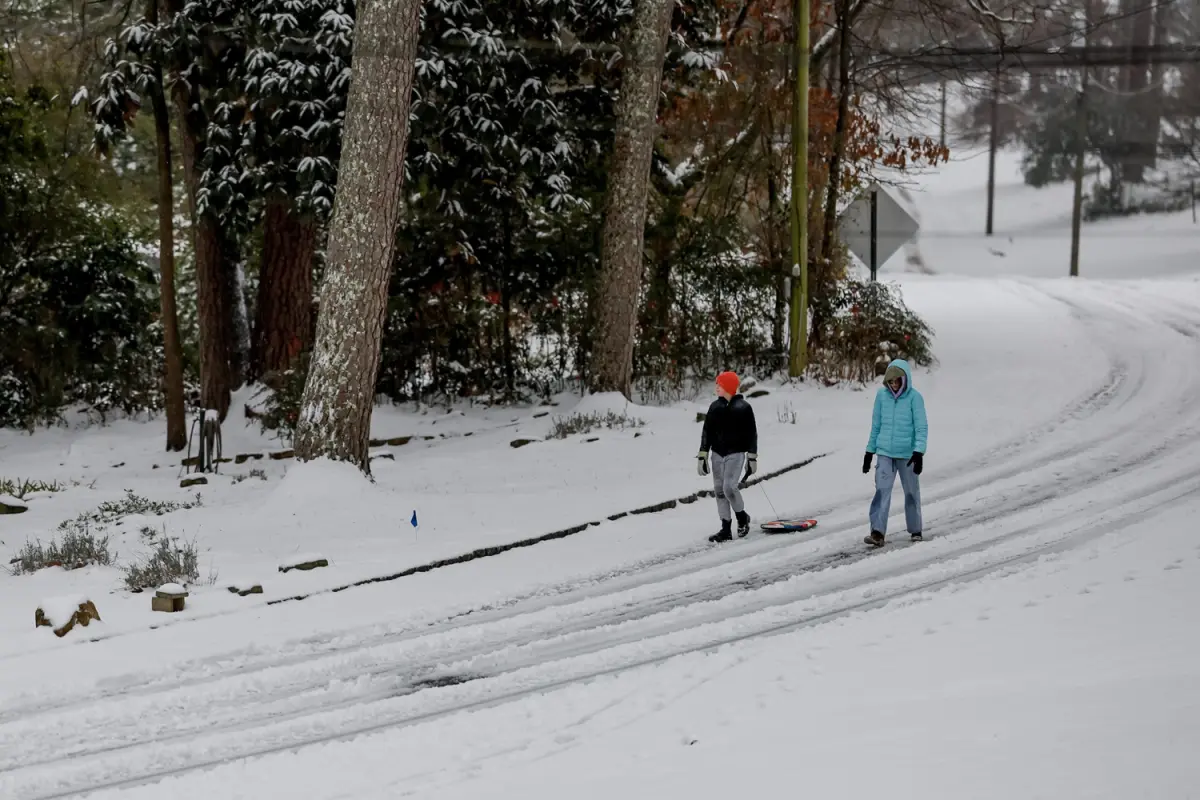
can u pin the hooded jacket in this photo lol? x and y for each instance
(898, 423)
(729, 427)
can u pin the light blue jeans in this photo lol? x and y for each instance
(886, 469)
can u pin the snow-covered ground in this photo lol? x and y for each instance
(1037, 645)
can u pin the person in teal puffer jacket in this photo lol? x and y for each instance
(899, 433)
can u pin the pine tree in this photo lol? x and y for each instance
(335, 419)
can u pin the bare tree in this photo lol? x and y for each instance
(335, 418)
(625, 201)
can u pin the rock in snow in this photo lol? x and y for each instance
(304, 562)
(62, 614)
(12, 505)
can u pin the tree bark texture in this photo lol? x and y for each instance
(834, 183)
(621, 268)
(211, 311)
(172, 347)
(1141, 126)
(232, 284)
(335, 419)
(282, 324)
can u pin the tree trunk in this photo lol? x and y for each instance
(210, 294)
(625, 199)
(206, 245)
(237, 324)
(172, 348)
(993, 145)
(282, 325)
(1141, 131)
(834, 184)
(776, 263)
(335, 419)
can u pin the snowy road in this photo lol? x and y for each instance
(1124, 448)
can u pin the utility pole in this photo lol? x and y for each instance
(798, 355)
(995, 141)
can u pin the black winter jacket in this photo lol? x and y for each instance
(729, 427)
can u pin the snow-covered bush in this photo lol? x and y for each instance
(870, 325)
(562, 427)
(169, 562)
(20, 487)
(73, 549)
(281, 395)
(77, 303)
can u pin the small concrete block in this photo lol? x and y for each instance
(167, 604)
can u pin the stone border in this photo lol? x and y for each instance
(487, 552)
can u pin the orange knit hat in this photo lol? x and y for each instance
(729, 382)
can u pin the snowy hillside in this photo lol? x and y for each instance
(1032, 235)
(1036, 645)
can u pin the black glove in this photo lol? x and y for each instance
(917, 462)
(702, 463)
(867, 462)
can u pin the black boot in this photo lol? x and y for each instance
(875, 539)
(917, 537)
(743, 520)
(725, 533)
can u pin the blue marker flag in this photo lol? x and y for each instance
(413, 521)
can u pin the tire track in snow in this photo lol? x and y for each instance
(554, 667)
(1095, 402)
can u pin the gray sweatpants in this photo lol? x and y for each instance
(727, 474)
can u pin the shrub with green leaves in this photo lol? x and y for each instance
(282, 393)
(77, 302)
(20, 487)
(870, 326)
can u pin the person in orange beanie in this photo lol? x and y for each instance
(731, 435)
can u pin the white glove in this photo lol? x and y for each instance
(751, 464)
(702, 463)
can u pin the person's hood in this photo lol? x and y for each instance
(900, 365)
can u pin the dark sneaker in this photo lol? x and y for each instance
(875, 539)
(917, 537)
(743, 521)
